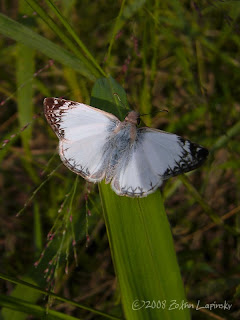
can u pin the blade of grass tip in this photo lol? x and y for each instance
(22, 34)
(50, 22)
(75, 36)
(125, 13)
(116, 28)
(141, 242)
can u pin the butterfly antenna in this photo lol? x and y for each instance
(152, 113)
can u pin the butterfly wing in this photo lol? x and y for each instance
(83, 132)
(155, 156)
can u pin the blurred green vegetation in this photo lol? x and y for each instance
(182, 56)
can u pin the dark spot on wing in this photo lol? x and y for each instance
(192, 156)
(203, 153)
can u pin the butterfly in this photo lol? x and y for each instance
(97, 145)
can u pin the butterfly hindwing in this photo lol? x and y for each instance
(155, 156)
(134, 176)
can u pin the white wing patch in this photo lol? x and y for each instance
(170, 154)
(83, 132)
(70, 120)
(134, 176)
(154, 157)
(85, 156)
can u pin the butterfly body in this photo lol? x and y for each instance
(97, 145)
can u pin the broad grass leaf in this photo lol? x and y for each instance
(140, 240)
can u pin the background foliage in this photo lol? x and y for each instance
(182, 56)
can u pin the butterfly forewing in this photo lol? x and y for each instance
(83, 132)
(173, 154)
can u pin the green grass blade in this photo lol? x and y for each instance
(140, 240)
(25, 59)
(130, 10)
(25, 71)
(143, 255)
(32, 309)
(38, 233)
(75, 36)
(125, 13)
(115, 29)
(71, 45)
(224, 139)
(25, 67)
(22, 34)
(39, 290)
(14, 311)
(106, 94)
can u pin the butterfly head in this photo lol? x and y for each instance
(133, 117)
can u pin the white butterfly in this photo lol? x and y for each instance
(97, 145)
